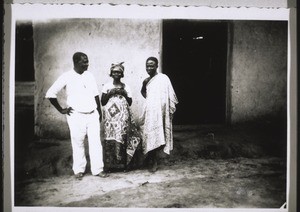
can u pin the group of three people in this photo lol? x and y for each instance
(121, 135)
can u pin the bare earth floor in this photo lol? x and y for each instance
(199, 183)
(210, 167)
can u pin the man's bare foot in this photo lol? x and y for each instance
(154, 167)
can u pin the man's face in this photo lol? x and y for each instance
(151, 67)
(82, 65)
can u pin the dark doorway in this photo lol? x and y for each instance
(195, 59)
(24, 52)
(24, 96)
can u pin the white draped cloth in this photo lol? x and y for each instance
(158, 113)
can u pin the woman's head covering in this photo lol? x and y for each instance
(118, 66)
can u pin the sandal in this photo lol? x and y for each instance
(79, 176)
(102, 174)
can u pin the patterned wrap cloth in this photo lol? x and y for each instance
(120, 131)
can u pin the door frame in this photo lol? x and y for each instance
(228, 99)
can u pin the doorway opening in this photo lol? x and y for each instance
(24, 52)
(195, 59)
(24, 94)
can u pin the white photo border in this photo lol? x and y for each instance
(42, 12)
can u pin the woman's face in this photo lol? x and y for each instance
(151, 67)
(116, 73)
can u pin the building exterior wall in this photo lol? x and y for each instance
(258, 70)
(105, 41)
(257, 84)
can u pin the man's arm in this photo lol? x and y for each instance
(55, 103)
(98, 106)
(51, 94)
(104, 99)
(129, 100)
(144, 90)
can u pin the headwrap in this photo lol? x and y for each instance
(117, 65)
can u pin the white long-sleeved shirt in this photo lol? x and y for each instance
(81, 90)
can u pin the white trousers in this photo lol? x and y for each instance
(81, 125)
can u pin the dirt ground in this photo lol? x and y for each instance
(199, 183)
(218, 174)
(210, 167)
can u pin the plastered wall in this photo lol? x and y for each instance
(258, 70)
(105, 41)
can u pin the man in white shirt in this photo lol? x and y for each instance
(83, 114)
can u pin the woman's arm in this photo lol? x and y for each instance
(124, 93)
(106, 96)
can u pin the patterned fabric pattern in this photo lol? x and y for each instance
(116, 119)
(120, 133)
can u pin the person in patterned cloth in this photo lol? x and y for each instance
(121, 137)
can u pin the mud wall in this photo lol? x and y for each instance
(257, 78)
(105, 41)
(258, 70)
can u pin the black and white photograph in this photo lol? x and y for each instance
(130, 106)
